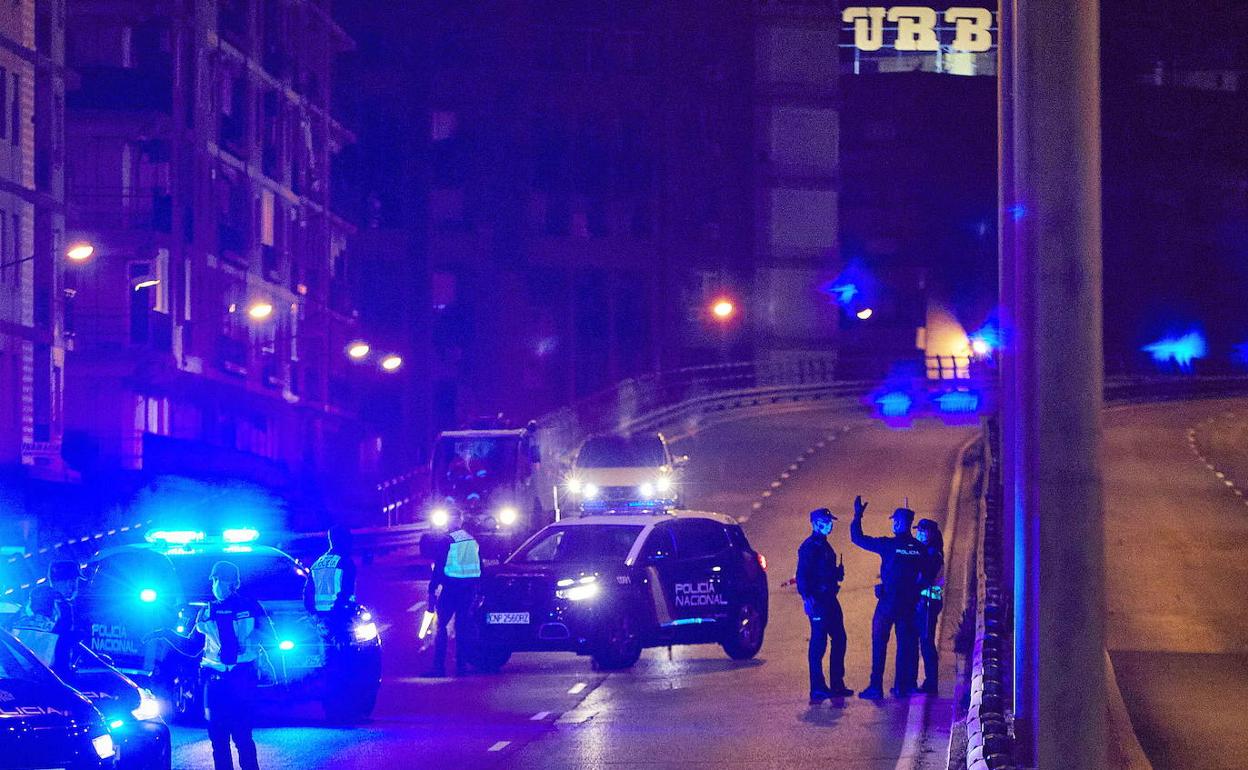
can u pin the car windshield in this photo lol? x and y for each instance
(466, 466)
(16, 662)
(621, 452)
(606, 543)
(266, 575)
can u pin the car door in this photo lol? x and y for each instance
(695, 580)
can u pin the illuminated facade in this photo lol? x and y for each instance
(32, 241)
(200, 152)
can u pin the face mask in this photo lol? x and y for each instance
(921, 535)
(221, 590)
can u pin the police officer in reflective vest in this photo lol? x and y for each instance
(456, 572)
(234, 628)
(329, 592)
(903, 560)
(46, 623)
(819, 581)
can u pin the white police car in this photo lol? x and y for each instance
(610, 585)
(613, 473)
(135, 590)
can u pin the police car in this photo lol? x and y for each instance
(133, 591)
(610, 585)
(46, 723)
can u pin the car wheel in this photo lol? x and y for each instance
(744, 637)
(620, 646)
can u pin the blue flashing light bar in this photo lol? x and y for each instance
(286, 645)
(958, 402)
(688, 622)
(895, 404)
(148, 595)
(174, 537)
(240, 535)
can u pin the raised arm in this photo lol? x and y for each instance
(856, 535)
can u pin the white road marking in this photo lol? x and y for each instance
(500, 745)
(756, 505)
(775, 485)
(1219, 474)
(576, 688)
(539, 716)
(793, 467)
(1228, 482)
(418, 606)
(767, 493)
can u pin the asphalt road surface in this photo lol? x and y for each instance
(1176, 476)
(685, 706)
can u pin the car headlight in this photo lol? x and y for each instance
(440, 517)
(507, 515)
(577, 590)
(589, 491)
(646, 490)
(149, 706)
(365, 632)
(574, 486)
(663, 484)
(103, 745)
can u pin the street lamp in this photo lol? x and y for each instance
(77, 252)
(864, 314)
(260, 310)
(358, 349)
(723, 309)
(391, 363)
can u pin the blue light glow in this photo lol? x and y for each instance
(958, 402)
(1180, 350)
(286, 645)
(1017, 211)
(895, 404)
(147, 595)
(844, 292)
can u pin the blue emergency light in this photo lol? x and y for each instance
(240, 535)
(286, 645)
(174, 537)
(147, 595)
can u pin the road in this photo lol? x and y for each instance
(687, 706)
(1177, 572)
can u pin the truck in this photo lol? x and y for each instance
(492, 475)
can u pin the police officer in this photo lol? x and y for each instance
(329, 592)
(902, 560)
(456, 572)
(818, 581)
(931, 600)
(46, 623)
(234, 627)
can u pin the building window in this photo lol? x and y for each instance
(16, 111)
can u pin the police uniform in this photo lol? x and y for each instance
(818, 581)
(931, 601)
(46, 626)
(330, 590)
(233, 628)
(457, 573)
(902, 560)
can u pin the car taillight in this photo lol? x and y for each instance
(762, 560)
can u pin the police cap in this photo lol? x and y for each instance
(821, 514)
(904, 513)
(226, 572)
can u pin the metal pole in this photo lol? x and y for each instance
(1058, 374)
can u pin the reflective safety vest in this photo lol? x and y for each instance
(327, 582)
(230, 629)
(463, 560)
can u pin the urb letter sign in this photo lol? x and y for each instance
(916, 27)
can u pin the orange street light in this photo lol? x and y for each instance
(723, 309)
(80, 251)
(260, 311)
(358, 349)
(865, 313)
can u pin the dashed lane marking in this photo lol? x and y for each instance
(577, 688)
(500, 745)
(539, 716)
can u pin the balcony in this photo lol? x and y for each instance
(111, 209)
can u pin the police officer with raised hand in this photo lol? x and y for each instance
(234, 627)
(329, 592)
(902, 562)
(456, 573)
(819, 579)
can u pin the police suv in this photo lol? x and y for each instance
(133, 591)
(46, 722)
(610, 585)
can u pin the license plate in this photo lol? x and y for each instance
(507, 618)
